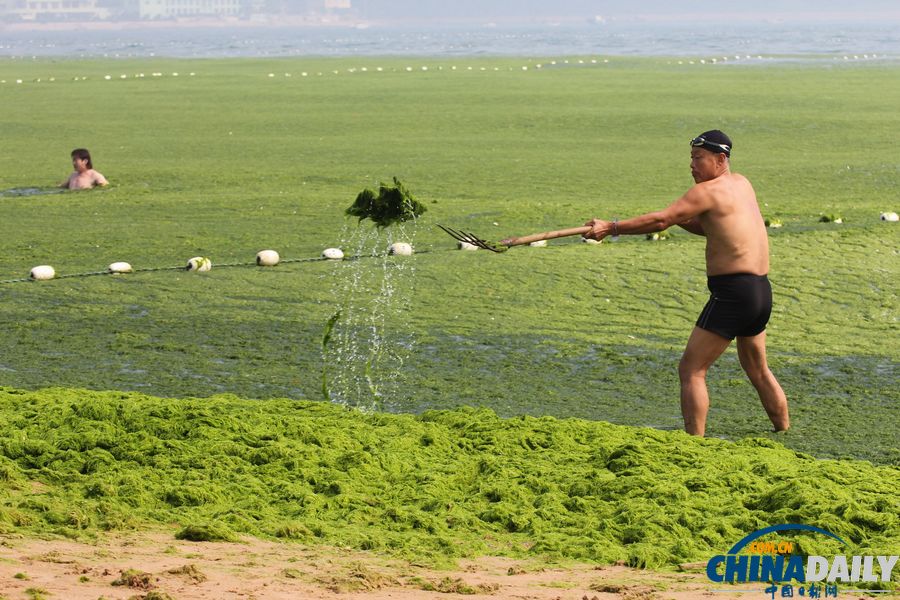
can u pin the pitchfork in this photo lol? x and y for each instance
(504, 245)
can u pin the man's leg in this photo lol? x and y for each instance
(703, 348)
(752, 353)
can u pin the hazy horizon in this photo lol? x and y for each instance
(515, 12)
(614, 10)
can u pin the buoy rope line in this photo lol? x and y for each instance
(205, 264)
(558, 63)
(218, 266)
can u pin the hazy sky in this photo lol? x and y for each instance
(525, 9)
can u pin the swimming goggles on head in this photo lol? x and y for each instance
(702, 142)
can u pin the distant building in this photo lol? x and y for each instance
(101, 10)
(171, 9)
(52, 10)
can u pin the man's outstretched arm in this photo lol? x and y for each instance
(682, 212)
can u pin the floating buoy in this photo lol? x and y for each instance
(201, 264)
(400, 249)
(267, 258)
(42, 273)
(333, 253)
(890, 216)
(120, 267)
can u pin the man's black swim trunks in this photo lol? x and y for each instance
(739, 305)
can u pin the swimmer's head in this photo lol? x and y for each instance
(714, 141)
(83, 154)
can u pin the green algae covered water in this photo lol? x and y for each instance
(433, 487)
(248, 161)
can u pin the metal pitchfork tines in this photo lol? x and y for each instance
(469, 238)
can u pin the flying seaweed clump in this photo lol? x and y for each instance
(392, 205)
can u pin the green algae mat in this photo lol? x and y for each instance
(443, 484)
(229, 157)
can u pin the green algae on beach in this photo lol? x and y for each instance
(441, 485)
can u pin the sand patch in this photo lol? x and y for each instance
(155, 566)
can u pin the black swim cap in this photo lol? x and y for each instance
(714, 141)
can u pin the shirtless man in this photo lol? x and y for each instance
(722, 207)
(84, 177)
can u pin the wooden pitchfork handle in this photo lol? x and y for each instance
(547, 235)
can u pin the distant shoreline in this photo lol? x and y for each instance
(319, 22)
(180, 24)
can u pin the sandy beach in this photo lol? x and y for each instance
(155, 565)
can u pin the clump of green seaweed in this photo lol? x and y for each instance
(326, 337)
(390, 206)
(437, 486)
(206, 533)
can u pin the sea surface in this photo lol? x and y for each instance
(795, 41)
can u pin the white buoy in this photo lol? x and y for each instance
(400, 249)
(42, 273)
(590, 241)
(333, 253)
(120, 267)
(201, 264)
(890, 216)
(538, 244)
(466, 246)
(267, 258)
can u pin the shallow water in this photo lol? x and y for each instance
(29, 191)
(869, 40)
